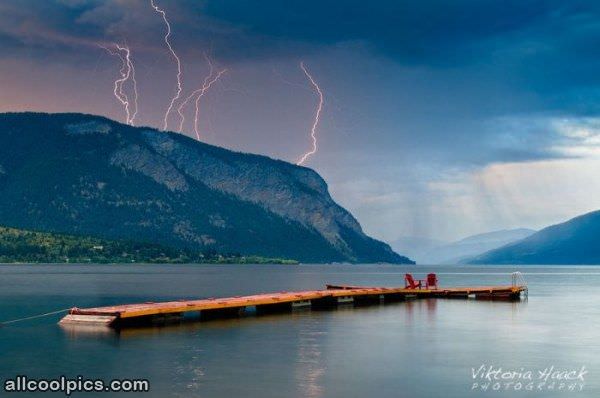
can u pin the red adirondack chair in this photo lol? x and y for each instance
(411, 283)
(431, 281)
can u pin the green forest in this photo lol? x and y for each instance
(21, 246)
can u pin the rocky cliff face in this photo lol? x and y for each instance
(85, 174)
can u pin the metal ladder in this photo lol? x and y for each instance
(519, 280)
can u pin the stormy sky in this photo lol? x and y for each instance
(441, 119)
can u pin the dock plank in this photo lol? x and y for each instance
(106, 315)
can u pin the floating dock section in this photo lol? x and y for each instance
(176, 311)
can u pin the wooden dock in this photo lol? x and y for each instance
(210, 308)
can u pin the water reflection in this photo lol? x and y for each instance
(310, 366)
(77, 331)
(431, 305)
(413, 348)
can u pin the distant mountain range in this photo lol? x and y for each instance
(427, 251)
(88, 175)
(576, 241)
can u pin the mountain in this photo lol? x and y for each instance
(576, 241)
(459, 251)
(88, 175)
(416, 247)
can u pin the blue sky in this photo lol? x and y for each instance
(441, 119)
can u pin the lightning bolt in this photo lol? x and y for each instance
(177, 60)
(209, 80)
(200, 95)
(313, 130)
(126, 72)
(131, 72)
(184, 103)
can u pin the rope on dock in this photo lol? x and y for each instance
(34, 317)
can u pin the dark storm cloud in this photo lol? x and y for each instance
(436, 31)
(489, 58)
(410, 31)
(548, 47)
(37, 22)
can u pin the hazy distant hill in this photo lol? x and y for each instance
(459, 251)
(416, 247)
(576, 241)
(82, 174)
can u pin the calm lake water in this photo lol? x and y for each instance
(422, 348)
